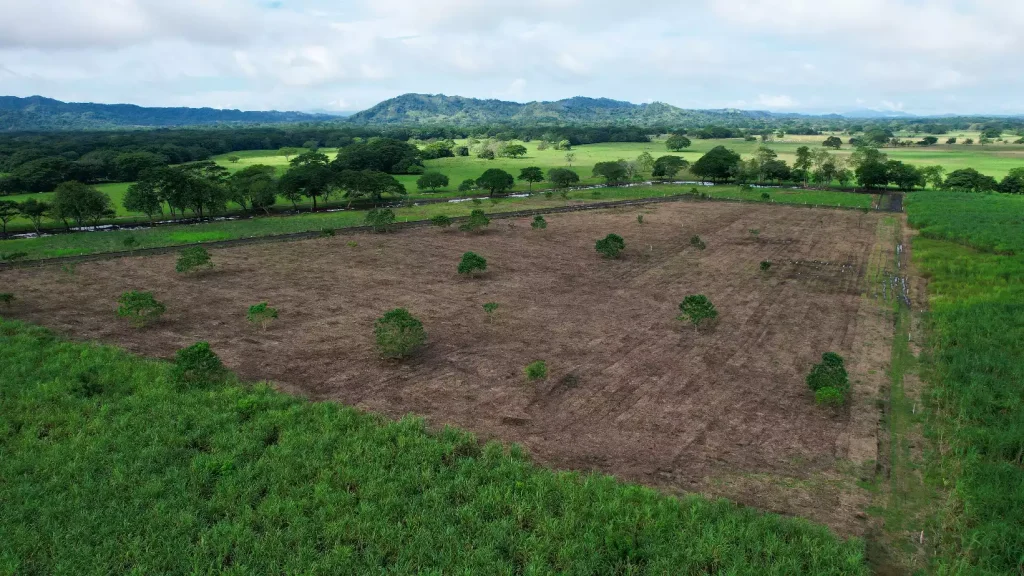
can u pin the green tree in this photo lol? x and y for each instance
(872, 173)
(310, 175)
(81, 203)
(677, 142)
(610, 246)
(933, 175)
(476, 222)
(233, 159)
(697, 243)
(380, 219)
(35, 211)
(803, 159)
(140, 308)
(970, 180)
(765, 265)
(490, 308)
(288, 152)
(262, 314)
(144, 196)
(718, 164)
(537, 370)
(833, 142)
(8, 211)
(612, 172)
(904, 176)
(531, 174)
(472, 263)
(515, 150)
(668, 166)
(467, 185)
(193, 258)
(432, 181)
(369, 184)
(570, 157)
(197, 365)
(563, 177)
(441, 221)
(496, 181)
(539, 223)
(254, 187)
(1013, 183)
(398, 334)
(486, 154)
(697, 309)
(829, 380)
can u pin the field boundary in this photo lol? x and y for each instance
(292, 236)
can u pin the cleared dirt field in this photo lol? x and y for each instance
(631, 391)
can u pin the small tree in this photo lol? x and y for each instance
(640, 219)
(536, 371)
(8, 211)
(697, 243)
(140, 308)
(467, 185)
(696, 309)
(496, 181)
(197, 364)
(398, 333)
(610, 246)
(490, 308)
(192, 259)
(515, 150)
(486, 154)
(233, 159)
(765, 265)
(380, 219)
(531, 174)
(261, 314)
(7, 298)
(476, 222)
(563, 177)
(472, 263)
(539, 223)
(570, 157)
(829, 380)
(130, 242)
(677, 142)
(766, 196)
(432, 181)
(441, 221)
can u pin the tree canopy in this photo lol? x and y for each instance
(717, 164)
(496, 181)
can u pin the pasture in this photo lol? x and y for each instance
(631, 391)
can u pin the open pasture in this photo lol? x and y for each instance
(630, 390)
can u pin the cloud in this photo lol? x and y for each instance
(776, 102)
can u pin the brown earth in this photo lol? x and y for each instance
(717, 411)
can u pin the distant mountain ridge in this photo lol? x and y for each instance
(39, 113)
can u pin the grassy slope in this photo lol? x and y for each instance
(977, 313)
(109, 468)
(109, 241)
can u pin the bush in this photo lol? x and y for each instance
(610, 246)
(193, 258)
(261, 314)
(140, 308)
(380, 219)
(6, 298)
(196, 365)
(490, 308)
(697, 243)
(467, 185)
(765, 265)
(830, 373)
(398, 333)
(536, 370)
(829, 396)
(327, 232)
(130, 242)
(766, 196)
(539, 223)
(476, 222)
(640, 219)
(472, 263)
(696, 308)
(441, 221)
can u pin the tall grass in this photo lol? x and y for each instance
(109, 468)
(992, 222)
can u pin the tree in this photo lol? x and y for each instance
(697, 309)
(803, 159)
(717, 164)
(254, 187)
(192, 258)
(1013, 183)
(951, 141)
(288, 152)
(515, 150)
(536, 371)
(476, 222)
(461, 150)
(35, 211)
(398, 334)
(697, 243)
(387, 155)
(539, 223)
(467, 185)
(969, 180)
(645, 162)
(8, 211)
(370, 184)
(486, 154)
(542, 146)
(144, 196)
(833, 142)
(610, 246)
(76, 201)
(928, 141)
(140, 308)
(776, 170)
(765, 265)
(668, 166)
(490, 308)
(441, 221)
(432, 181)
(531, 174)
(564, 145)
(612, 172)
(968, 141)
(677, 142)
(472, 263)
(933, 175)
(233, 159)
(196, 365)
(904, 176)
(380, 219)
(130, 165)
(829, 380)
(310, 175)
(563, 177)
(496, 181)
(262, 314)
(873, 172)
(570, 157)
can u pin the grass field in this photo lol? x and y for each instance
(110, 468)
(110, 241)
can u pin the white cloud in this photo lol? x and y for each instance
(776, 102)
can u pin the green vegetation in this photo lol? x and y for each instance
(262, 314)
(193, 258)
(140, 308)
(472, 263)
(441, 221)
(766, 265)
(989, 222)
(697, 243)
(697, 309)
(476, 222)
(610, 246)
(398, 334)
(7, 298)
(197, 366)
(490, 308)
(539, 223)
(828, 380)
(537, 370)
(381, 219)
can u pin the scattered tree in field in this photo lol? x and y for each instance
(570, 157)
(140, 308)
(536, 371)
(829, 380)
(472, 263)
(196, 365)
(645, 162)
(766, 196)
(539, 223)
(697, 243)
(288, 152)
(928, 141)
(677, 142)
(7, 298)
(495, 181)
(311, 176)
(233, 159)
(531, 174)
(668, 166)
(542, 146)
(640, 219)
(563, 177)
(833, 142)
(81, 203)
(803, 159)
(490, 308)
(765, 265)
(380, 219)
(515, 150)
(130, 242)
(476, 222)
(1013, 183)
(934, 175)
(697, 309)
(718, 164)
(467, 185)
(968, 141)
(951, 141)
(8, 211)
(441, 221)
(431, 181)
(610, 246)
(564, 145)
(486, 154)
(612, 172)
(144, 196)
(369, 184)
(969, 180)
(35, 211)
(398, 334)
(262, 314)
(193, 258)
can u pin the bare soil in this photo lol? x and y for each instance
(631, 390)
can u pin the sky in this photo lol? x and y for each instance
(918, 56)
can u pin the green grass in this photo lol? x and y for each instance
(172, 235)
(110, 468)
(976, 386)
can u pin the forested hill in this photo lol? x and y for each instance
(410, 109)
(38, 113)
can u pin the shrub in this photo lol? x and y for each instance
(398, 333)
(610, 246)
(766, 196)
(829, 396)
(261, 314)
(467, 185)
(830, 373)
(193, 258)
(490, 308)
(697, 243)
(472, 263)
(380, 219)
(536, 370)
(539, 223)
(441, 221)
(327, 232)
(640, 219)
(755, 232)
(140, 308)
(765, 265)
(6, 298)
(476, 222)
(197, 364)
(696, 308)
(13, 256)
(130, 242)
